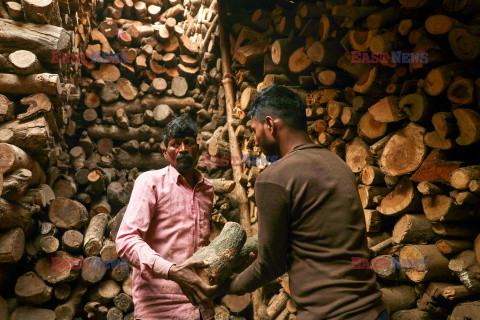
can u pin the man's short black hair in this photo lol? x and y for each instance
(180, 127)
(282, 103)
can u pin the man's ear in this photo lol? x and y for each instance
(271, 125)
(164, 151)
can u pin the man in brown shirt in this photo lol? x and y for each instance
(310, 220)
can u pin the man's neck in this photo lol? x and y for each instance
(292, 140)
(190, 177)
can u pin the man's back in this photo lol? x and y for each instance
(326, 230)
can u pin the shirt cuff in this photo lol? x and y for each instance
(161, 267)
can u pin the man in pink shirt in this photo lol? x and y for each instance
(166, 221)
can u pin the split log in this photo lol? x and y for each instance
(278, 303)
(468, 122)
(67, 214)
(413, 228)
(463, 43)
(408, 141)
(439, 79)
(435, 168)
(7, 109)
(404, 198)
(15, 184)
(387, 110)
(356, 153)
(447, 246)
(443, 208)
(31, 289)
(32, 136)
(371, 196)
(434, 266)
(13, 215)
(325, 53)
(461, 177)
(454, 229)
(220, 252)
(371, 129)
(372, 176)
(93, 240)
(13, 158)
(12, 244)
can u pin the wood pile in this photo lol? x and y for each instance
(81, 116)
(408, 128)
(75, 134)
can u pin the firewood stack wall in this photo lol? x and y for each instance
(73, 146)
(408, 128)
(78, 127)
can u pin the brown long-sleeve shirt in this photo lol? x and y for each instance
(311, 224)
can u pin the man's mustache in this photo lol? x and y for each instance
(186, 156)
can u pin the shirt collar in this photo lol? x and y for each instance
(175, 175)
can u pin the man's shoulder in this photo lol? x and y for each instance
(153, 176)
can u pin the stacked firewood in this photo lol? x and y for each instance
(69, 162)
(408, 129)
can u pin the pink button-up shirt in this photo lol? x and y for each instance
(164, 224)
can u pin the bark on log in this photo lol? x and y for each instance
(125, 160)
(443, 208)
(220, 253)
(13, 215)
(115, 133)
(413, 228)
(93, 240)
(70, 308)
(30, 84)
(12, 244)
(399, 297)
(437, 268)
(43, 40)
(31, 289)
(147, 103)
(13, 158)
(31, 136)
(24, 312)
